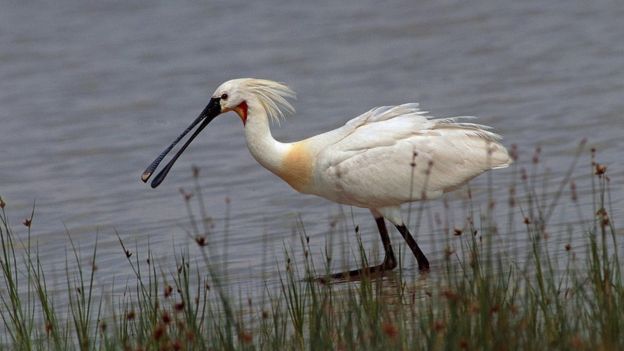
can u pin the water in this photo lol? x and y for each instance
(91, 92)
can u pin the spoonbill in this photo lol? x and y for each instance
(379, 160)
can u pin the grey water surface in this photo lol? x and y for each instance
(91, 92)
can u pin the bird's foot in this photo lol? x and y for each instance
(358, 274)
(423, 264)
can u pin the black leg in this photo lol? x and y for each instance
(423, 263)
(388, 263)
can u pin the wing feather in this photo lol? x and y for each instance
(395, 154)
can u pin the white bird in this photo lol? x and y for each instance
(379, 160)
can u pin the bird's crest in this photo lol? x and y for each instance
(272, 95)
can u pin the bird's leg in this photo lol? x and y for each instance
(423, 263)
(388, 263)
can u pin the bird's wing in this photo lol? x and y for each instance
(373, 117)
(391, 155)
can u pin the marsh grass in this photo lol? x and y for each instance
(567, 295)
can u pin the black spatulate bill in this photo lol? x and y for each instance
(212, 110)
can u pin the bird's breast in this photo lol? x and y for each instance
(297, 167)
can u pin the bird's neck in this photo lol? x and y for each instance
(293, 162)
(263, 147)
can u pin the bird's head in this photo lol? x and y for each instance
(243, 96)
(239, 95)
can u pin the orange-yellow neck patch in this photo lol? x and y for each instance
(297, 167)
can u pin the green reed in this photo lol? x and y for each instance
(567, 295)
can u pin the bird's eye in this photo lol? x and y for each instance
(224, 96)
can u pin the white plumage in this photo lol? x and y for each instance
(395, 154)
(379, 160)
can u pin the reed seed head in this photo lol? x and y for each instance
(449, 295)
(536, 155)
(176, 345)
(201, 241)
(600, 169)
(577, 343)
(523, 175)
(514, 152)
(390, 330)
(187, 196)
(438, 326)
(603, 217)
(165, 317)
(245, 337)
(158, 332)
(130, 315)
